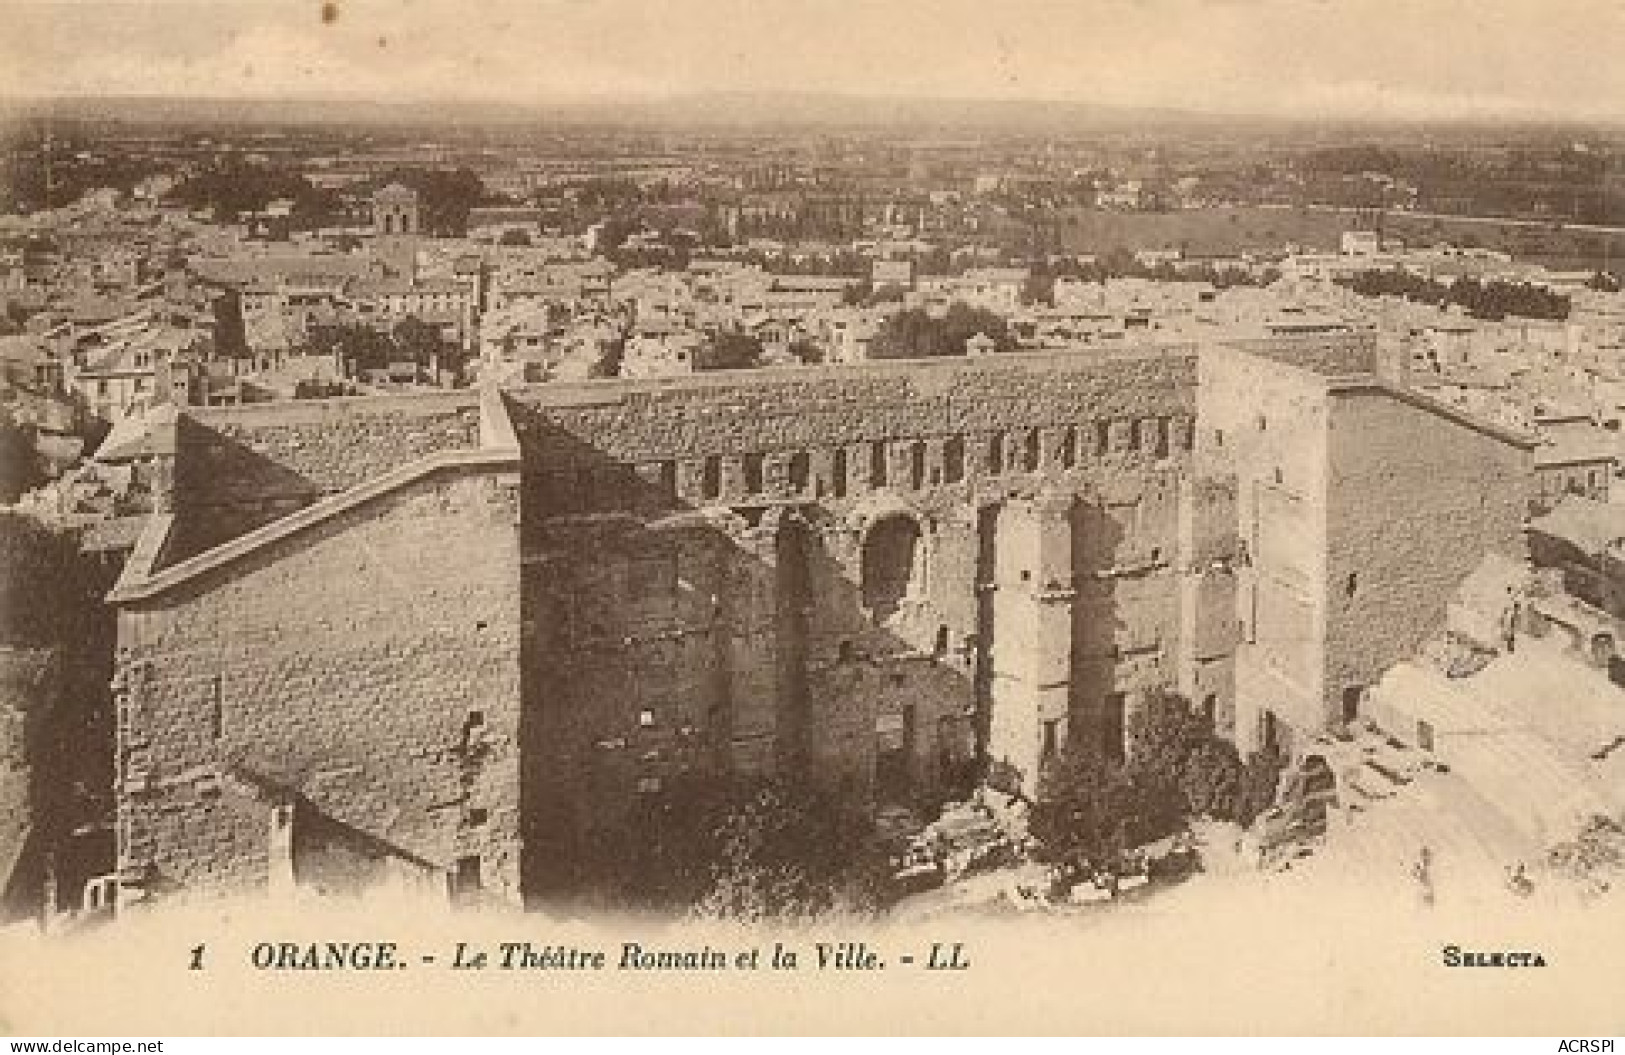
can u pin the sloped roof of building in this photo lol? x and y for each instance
(1531, 756)
(1590, 526)
(1572, 446)
(306, 267)
(131, 436)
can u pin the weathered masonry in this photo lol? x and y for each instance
(444, 640)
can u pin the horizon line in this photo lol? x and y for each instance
(1166, 111)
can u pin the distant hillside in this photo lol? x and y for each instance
(720, 110)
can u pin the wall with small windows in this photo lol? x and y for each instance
(894, 578)
(864, 648)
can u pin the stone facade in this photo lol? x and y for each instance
(1359, 509)
(330, 697)
(395, 211)
(464, 637)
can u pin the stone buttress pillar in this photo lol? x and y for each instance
(1032, 657)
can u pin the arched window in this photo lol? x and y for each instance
(890, 553)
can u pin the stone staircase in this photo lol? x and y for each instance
(1395, 808)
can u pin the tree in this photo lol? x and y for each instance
(789, 851)
(358, 347)
(38, 560)
(914, 334)
(857, 293)
(231, 187)
(1039, 288)
(807, 351)
(609, 362)
(730, 351)
(740, 848)
(419, 342)
(1259, 779)
(230, 334)
(1090, 809)
(1174, 747)
(20, 469)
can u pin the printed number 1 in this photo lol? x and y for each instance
(197, 958)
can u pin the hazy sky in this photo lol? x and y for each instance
(1387, 58)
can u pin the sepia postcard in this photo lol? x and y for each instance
(812, 517)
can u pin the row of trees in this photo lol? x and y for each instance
(1560, 182)
(759, 848)
(743, 351)
(1493, 300)
(1120, 263)
(49, 178)
(232, 186)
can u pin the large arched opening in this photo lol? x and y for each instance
(891, 559)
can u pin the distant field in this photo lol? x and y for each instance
(1230, 231)
(1201, 232)
(1556, 246)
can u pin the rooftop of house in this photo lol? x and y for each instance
(384, 287)
(394, 192)
(1590, 526)
(1577, 446)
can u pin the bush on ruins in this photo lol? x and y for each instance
(789, 851)
(1176, 746)
(1091, 810)
(743, 849)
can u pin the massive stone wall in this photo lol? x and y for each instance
(239, 468)
(798, 435)
(1359, 508)
(880, 576)
(827, 571)
(363, 671)
(1419, 494)
(1263, 426)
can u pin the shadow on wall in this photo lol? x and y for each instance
(226, 489)
(667, 639)
(792, 619)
